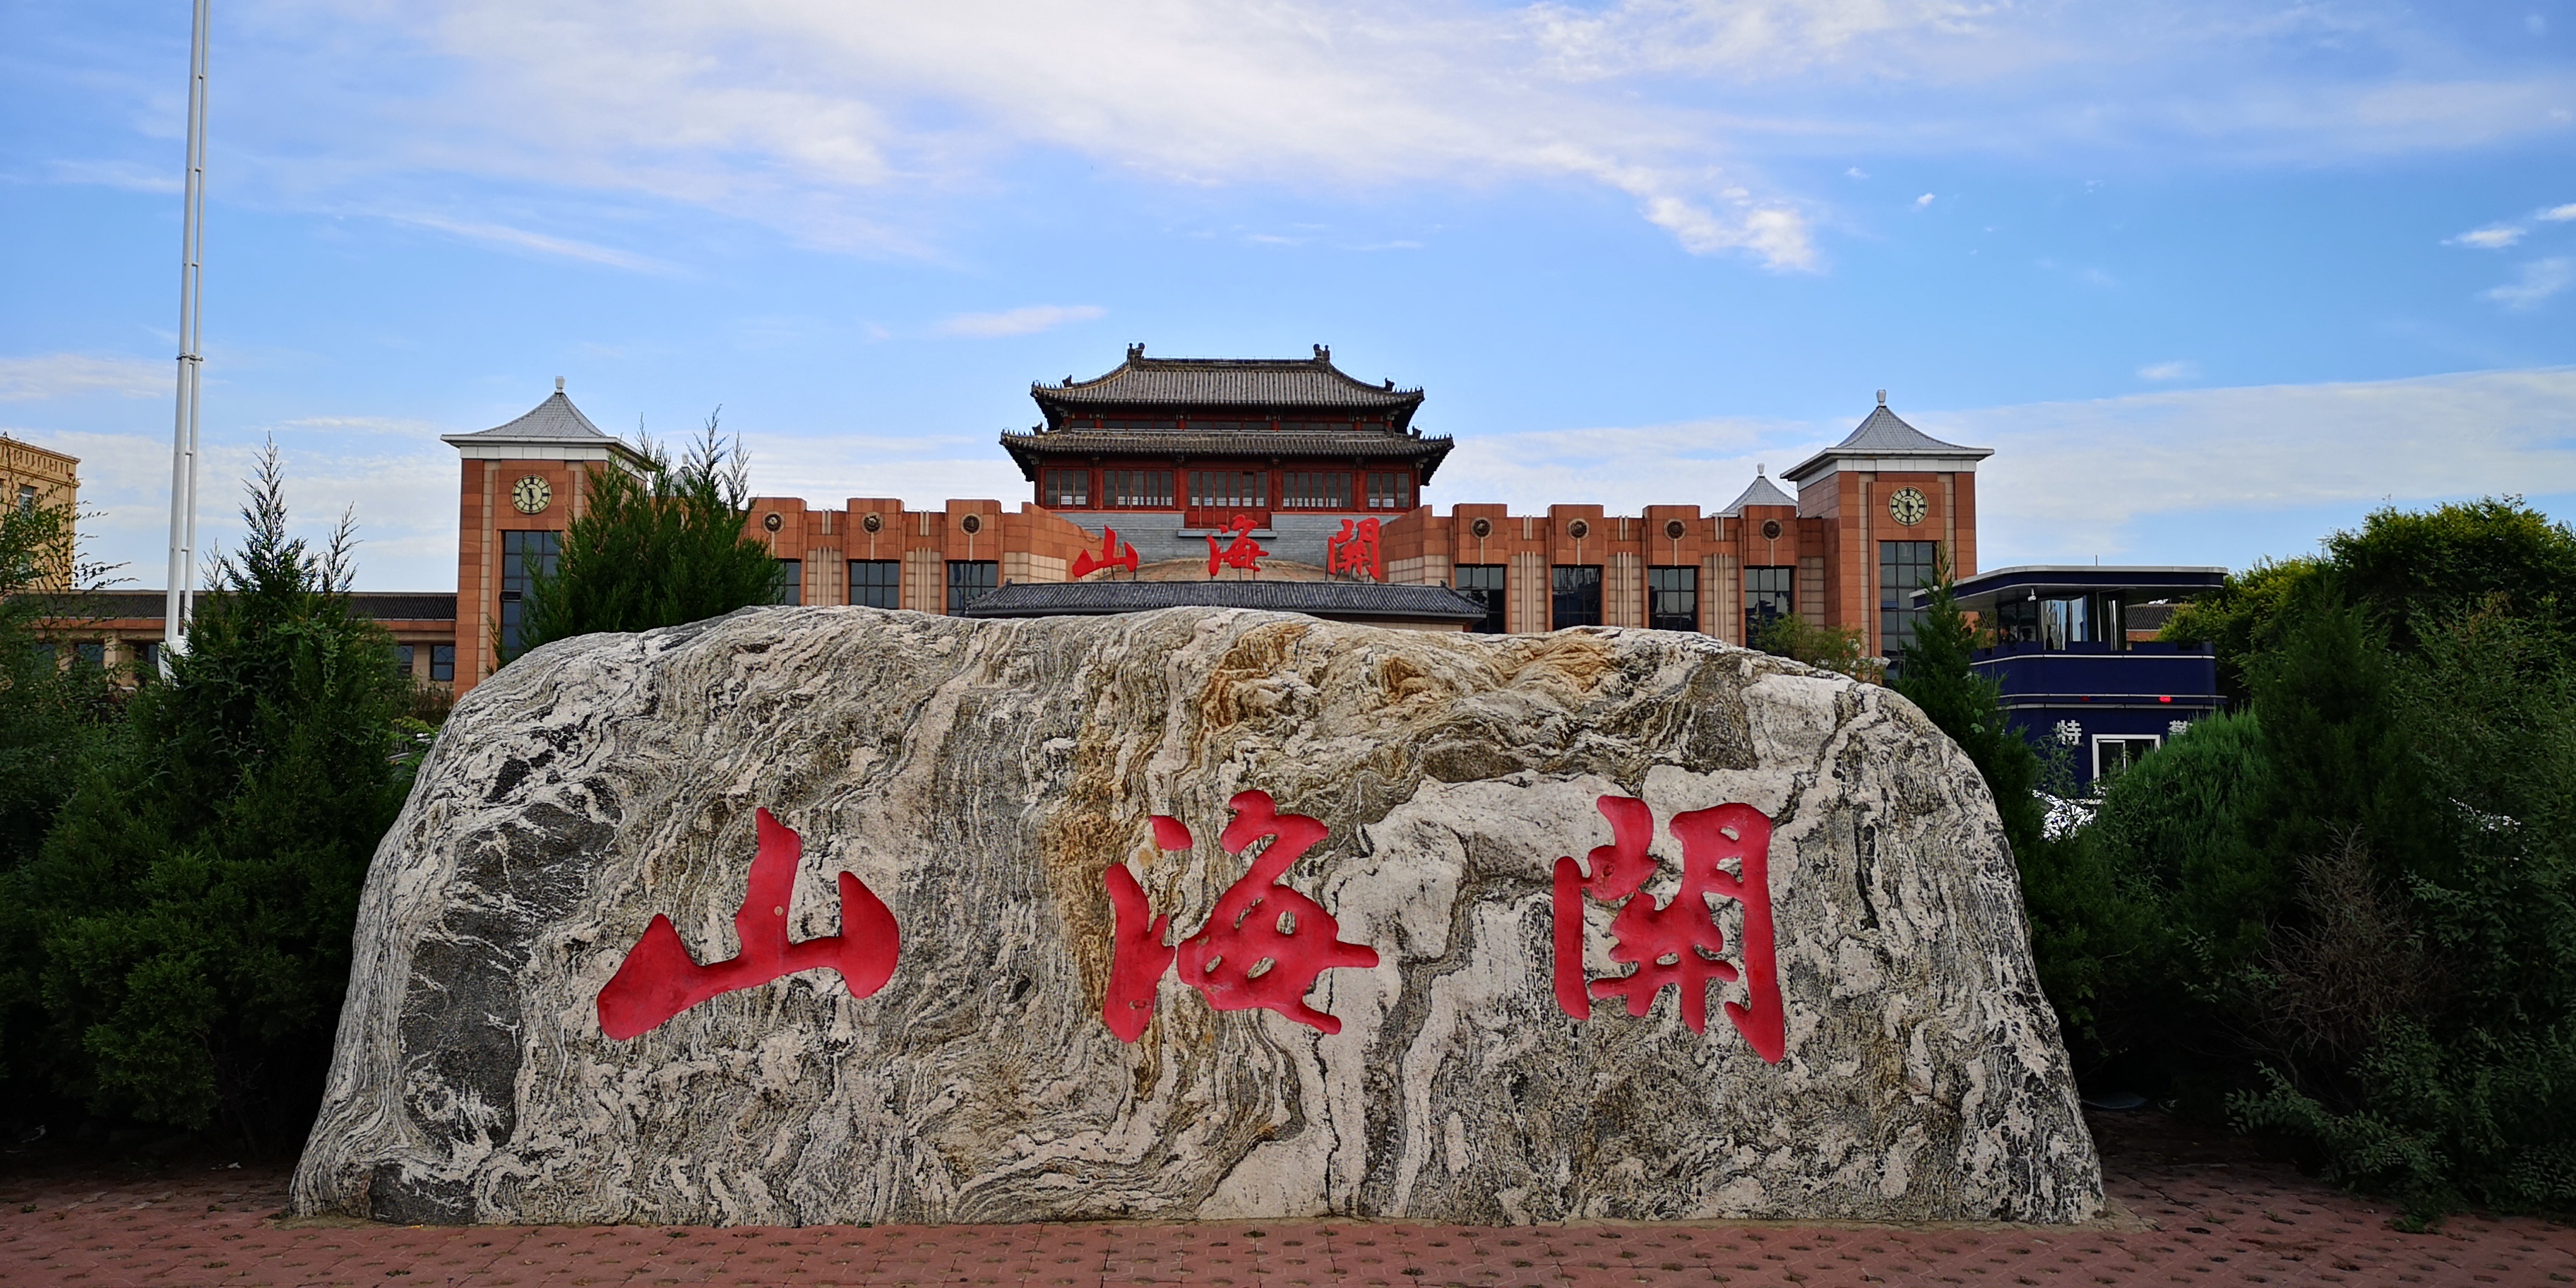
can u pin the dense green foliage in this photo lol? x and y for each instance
(2346, 915)
(186, 922)
(656, 550)
(51, 714)
(1842, 649)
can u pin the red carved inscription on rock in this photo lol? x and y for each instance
(659, 979)
(1677, 944)
(1264, 944)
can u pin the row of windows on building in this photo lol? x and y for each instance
(1574, 591)
(1071, 489)
(145, 656)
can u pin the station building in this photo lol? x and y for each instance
(1184, 458)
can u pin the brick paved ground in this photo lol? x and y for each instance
(2220, 1215)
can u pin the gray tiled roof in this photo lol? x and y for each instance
(1884, 434)
(1333, 599)
(1283, 383)
(556, 417)
(1762, 491)
(1029, 449)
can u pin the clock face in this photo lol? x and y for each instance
(532, 494)
(1908, 506)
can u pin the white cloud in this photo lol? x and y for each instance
(540, 243)
(2541, 278)
(1857, 173)
(65, 375)
(1925, 200)
(2492, 237)
(2560, 214)
(2177, 369)
(1020, 321)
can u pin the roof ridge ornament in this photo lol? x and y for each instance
(1882, 397)
(1323, 353)
(558, 384)
(1134, 351)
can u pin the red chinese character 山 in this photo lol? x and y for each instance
(1263, 945)
(1243, 552)
(1112, 555)
(1678, 944)
(1354, 549)
(659, 979)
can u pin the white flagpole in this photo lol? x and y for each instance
(179, 601)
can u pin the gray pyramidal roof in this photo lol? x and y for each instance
(1762, 492)
(1884, 433)
(555, 418)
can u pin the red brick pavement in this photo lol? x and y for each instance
(2220, 1216)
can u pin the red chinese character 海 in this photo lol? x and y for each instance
(1355, 550)
(659, 979)
(1244, 552)
(1263, 945)
(1111, 556)
(1679, 944)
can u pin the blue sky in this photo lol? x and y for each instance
(2212, 278)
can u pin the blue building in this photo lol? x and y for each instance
(2076, 655)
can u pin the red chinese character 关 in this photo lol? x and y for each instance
(1355, 550)
(1243, 553)
(1678, 944)
(659, 979)
(1263, 945)
(1111, 556)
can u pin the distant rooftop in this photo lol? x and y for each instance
(1885, 434)
(1762, 491)
(554, 421)
(1201, 406)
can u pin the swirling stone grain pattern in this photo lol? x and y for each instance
(980, 777)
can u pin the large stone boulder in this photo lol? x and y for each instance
(831, 914)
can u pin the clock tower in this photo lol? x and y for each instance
(523, 484)
(1889, 498)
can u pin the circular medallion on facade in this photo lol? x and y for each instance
(772, 522)
(1578, 529)
(1673, 529)
(971, 524)
(1482, 527)
(1907, 506)
(1770, 529)
(872, 523)
(531, 495)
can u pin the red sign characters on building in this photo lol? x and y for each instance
(1263, 945)
(1243, 552)
(1678, 944)
(1112, 555)
(659, 979)
(1354, 549)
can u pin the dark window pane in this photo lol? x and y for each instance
(524, 555)
(1150, 489)
(404, 656)
(1672, 598)
(1769, 595)
(968, 578)
(1903, 568)
(442, 661)
(1390, 491)
(1484, 584)
(1068, 488)
(93, 653)
(791, 581)
(1577, 598)
(876, 583)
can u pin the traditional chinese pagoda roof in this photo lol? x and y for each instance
(1336, 600)
(1762, 491)
(1884, 437)
(1325, 405)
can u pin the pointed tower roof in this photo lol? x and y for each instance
(1884, 441)
(551, 430)
(1762, 491)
